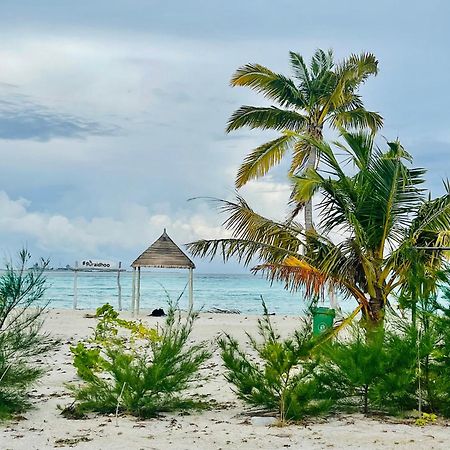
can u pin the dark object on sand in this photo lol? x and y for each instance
(158, 312)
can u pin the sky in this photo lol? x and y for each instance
(113, 112)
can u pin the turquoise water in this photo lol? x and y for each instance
(241, 292)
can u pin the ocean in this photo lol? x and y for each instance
(240, 292)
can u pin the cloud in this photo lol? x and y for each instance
(130, 232)
(22, 118)
(268, 197)
(160, 73)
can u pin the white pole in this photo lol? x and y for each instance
(119, 288)
(419, 371)
(133, 292)
(138, 296)
(75, 286)
(191, 288)
(333, 302)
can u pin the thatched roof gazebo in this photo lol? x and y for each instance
(163, 253)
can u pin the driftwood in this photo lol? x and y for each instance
(223, 311)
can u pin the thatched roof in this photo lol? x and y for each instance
(164, 253)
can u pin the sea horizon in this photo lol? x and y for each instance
(228, 292)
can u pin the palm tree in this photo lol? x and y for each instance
(322, 94)
(380, 215)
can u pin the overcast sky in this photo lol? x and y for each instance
(112, 112)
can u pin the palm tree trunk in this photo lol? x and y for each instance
(311, 163)
(375, 317)
(314, 131)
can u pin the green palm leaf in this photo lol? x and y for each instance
(253, 235)
(263, 158)
(300, 69)
(357, 118)
(273, 86)
(264, 118)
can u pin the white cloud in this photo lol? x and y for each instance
(164, 84)
(133, 230)
(268, 197)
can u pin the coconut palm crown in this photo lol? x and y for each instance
(323, 93)
(372, 226)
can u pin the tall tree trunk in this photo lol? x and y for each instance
(314, 131)
(374, 319)
(366, 399)
(311, 164)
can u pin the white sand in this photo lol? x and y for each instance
(226, 428)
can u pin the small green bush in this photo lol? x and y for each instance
(21, 339)
(280, 377)
(138, 370)
(375, 372)
(425, 419)
(435, 367)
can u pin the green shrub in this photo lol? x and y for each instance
(138, 370)
(435, 368)
(376, 372)
(425, 419)
(280, 377)
(431, 320)
(21, 339)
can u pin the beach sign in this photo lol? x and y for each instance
(97, 264)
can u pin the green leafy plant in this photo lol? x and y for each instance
(436, 361)
(21, 339)
(372, 373)
(279, 376)
(430, 316)
(129, 367)
(425, 419)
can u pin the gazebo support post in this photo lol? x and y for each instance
(138, 291)
(119, 289)
(133, 292)
(191, 288)
(75, 286)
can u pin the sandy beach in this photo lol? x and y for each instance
(229, 426)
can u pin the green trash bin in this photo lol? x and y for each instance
(323, 319)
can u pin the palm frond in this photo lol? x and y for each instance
(312, 278)
(321, 62)
(300, 153)
(244, 251)
(391, 195)
(254, 236)
(300, 69)
(359, 147)
(348, 76)
(257, 163)
(297, 274)
(433, 217)
(358, 118)
(325, 152)
(245, 223)
(266, 118)
(357, 68)
(272, 85)
(306, 185)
